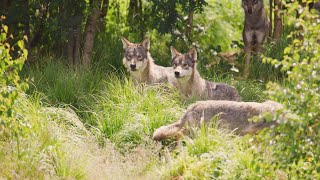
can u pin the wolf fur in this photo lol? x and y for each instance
(231, 114)
(138, 61)
(190, 83)
(256, 28)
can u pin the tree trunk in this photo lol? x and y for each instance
(135, 17)
(142, 30)
(89, 35)
(92, 26)
(190, 19)
(74, 46)
(270, 17)
(277, 20)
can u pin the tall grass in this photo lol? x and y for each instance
(109, 106)
(128, 115)
(212, 154)
(36, 151)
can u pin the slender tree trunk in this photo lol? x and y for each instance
(190, 19)
(77, 47)
(135, 17)
(277, 20)
(270, 17)
(90, 32)
(74, 46)
(70, 45)
(89, 35)
(103, 14)
(142, 30)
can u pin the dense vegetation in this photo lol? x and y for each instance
(69, 110)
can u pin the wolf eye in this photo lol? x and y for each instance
(255, 1)
(139, 57)
(185, 65)
(174, 65)
(130, 56)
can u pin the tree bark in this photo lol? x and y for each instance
(142, 30)
(90, 32)
(277, 20)
(270, 17)
(135, 17)
(190, 19)
(89, 35)
(74, 46)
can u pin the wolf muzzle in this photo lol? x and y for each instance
(133, 67)
(177, 74)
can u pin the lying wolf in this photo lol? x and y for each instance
(231, 114)
(191, 84)
(256, 29)
(139, 63)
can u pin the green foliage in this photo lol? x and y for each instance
(219, 26)
(11, 86)
(293, 146)
(166, 16)
(27, 147)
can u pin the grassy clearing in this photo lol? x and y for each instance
(93, 124)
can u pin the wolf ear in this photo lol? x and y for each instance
(193, 54)
(146, 44)
(174, 52)
(125, 43)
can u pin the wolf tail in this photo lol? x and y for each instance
(164, 132)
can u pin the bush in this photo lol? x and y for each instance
(11, 86)
(293, 146)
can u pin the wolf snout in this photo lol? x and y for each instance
(133, 66)
(250, 11)
(177, 73)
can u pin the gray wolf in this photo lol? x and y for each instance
(231, 114)
(140, 64)
(256, 29)
(190, 83)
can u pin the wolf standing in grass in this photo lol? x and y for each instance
(141, 67)
(256, 29)
(191, 84)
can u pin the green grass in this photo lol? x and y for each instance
(212, 153)
(36, 151)
(128, 115)
(81, 117)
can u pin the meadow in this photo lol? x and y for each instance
(94, 123)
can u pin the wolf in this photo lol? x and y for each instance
(256, 29)
(190, 83)
(231, 114)
(138, 61)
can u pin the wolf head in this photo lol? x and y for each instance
(135, 55)
(183, 64)
(252, 6)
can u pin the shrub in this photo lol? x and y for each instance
(11, 86)
(293, 147)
